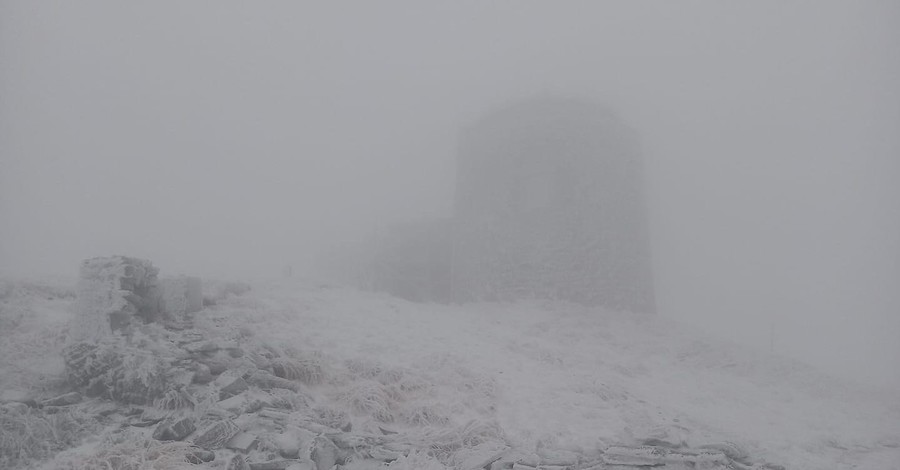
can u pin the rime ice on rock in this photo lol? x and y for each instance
(114, 293)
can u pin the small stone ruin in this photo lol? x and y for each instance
(117, 293)
(114, 294)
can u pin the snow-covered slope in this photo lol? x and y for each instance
(556, 375)
(583, 378)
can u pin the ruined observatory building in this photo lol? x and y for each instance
(549, 204)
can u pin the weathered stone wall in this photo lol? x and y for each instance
(114, 294)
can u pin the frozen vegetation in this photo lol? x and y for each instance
(295, 374)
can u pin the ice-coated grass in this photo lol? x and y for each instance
(34, 320)
(330, 416)
(417, 461)
(369, 398)
(288, 399)
(426, 415)
(444, 443)
(130, 454)
(32, 434)
(175, 400)
(306, 368)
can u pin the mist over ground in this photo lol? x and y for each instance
(228, 140)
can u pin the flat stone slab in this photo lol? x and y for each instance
(274, 465)
(230, 385)
(242, 442)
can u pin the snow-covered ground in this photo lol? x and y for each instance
(583, 378)
(553, 375)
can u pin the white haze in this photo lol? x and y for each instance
(228, 139)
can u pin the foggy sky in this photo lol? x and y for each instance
(228, 139)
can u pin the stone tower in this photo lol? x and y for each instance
(549, 204)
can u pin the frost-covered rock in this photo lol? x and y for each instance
(238, 462)
(242, 442)
(323, 452)
(115, 370)
(216, 435)
(175, 430)
(230, 384)
(267, 381)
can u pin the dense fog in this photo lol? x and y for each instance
(230, 139)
